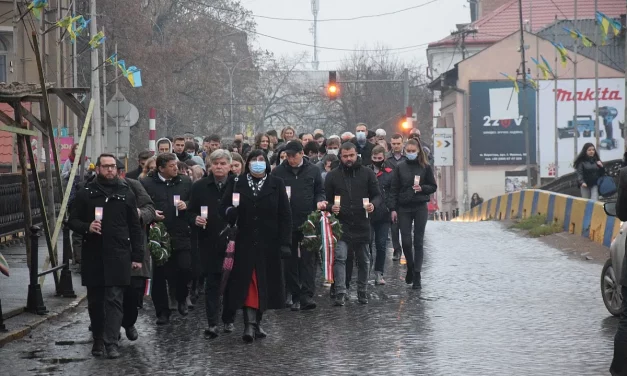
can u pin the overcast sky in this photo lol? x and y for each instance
(418, 26)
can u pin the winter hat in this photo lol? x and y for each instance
(199, 162)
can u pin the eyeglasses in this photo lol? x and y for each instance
(108, 167)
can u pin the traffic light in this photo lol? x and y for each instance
(333, 89)
(407, 120)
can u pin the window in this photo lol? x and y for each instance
(4, 52)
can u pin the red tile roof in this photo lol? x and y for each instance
(505, 20)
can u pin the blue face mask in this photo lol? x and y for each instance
(257, 167)
(190, 154)
(411, 156)
(361, 136)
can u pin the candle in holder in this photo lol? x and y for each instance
(337, 200)
(416, 181)
(98, 213)
(177, 199)
(288, 189)
(235, 199)
(366, 203)
(204, 211)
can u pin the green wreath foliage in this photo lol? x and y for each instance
(159, 243)
(312, 240)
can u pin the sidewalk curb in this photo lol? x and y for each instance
(26, 329)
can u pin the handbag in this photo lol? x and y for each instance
(606, 185)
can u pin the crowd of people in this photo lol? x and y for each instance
(244, 204)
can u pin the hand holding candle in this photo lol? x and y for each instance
(204, 212)
(235, 199)
(336, 205)
(98, 214)
(288, 190)
(366, 202)
(417, 187)
(177, 199)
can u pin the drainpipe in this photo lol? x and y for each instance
(465, 200)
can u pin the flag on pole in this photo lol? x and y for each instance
(563, 53)
(532, 81)
(576, 34)
(605, 23)
(544, 67)
(36, 6)
(513, 79)
(134, 76)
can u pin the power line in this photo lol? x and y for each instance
(323, 20)
(311, 45)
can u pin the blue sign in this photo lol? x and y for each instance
(497, 132)
(64, 132)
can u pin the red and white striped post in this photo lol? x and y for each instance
(152, 126)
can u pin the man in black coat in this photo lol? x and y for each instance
(395, 157)
(362, 146)
(619, 363)
(207, 192)
(141, 161)
(105, 213)
(353, 183)
(164, 186)
(306, 193)
(134, 294)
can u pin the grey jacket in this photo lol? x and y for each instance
(146, 217)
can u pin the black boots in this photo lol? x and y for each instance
(252, 325)
(259, 332)
(250, 322)
(98, 348)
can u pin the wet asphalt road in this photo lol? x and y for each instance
(493, 303)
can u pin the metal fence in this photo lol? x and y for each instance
(11, 208)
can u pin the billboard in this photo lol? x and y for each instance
(443, 146)
(497, 135)
(571, 139)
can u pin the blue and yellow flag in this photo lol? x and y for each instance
(134, 76)
(97, 40)
(36, 6)
(513, 79)
(68, 24)
(605, 23)
(576, 34)
(544, 67)
(563, 53)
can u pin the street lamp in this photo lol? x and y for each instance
(231, 71)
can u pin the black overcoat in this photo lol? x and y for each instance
(205, 192)
(264, 225)
(106, 258)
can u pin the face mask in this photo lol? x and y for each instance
(190, 154)
(333, 151)
(412, 156)
(361, 136)
(378, 163)
(257, 167)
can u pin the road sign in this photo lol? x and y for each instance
(443, 153)
(118, 106)
(132, 117)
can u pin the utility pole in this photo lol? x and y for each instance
(60, 120)
(597, 126)
(625, 128)
(575, 98)
(406, 87)
(75, 84)
(105, 140)
(524, 93)
(556, 146)
(462, 35)
(96, 129)
(315, 8)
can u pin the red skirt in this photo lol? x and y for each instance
(252, 299)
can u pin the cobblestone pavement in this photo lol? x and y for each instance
(493, 303)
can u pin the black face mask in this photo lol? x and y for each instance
(379, 164)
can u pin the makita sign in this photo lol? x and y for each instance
(605, 94)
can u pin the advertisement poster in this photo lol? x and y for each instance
(443, 150)
(497, 134)
(570, 140)
(515, 181)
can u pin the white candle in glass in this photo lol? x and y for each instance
(235, 199)
(204, 212)
(416, 181)
(177, 199)
(288, 189)
(337, 200)
(98, 213)
(366, 203)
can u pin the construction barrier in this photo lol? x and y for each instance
(578, 215)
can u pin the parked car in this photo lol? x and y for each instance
(611, 273)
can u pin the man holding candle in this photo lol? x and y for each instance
(105, 213)
(353, 183)
(204, 206)
(396, 156)
(412, 184)
(170, 193)
(306, 192)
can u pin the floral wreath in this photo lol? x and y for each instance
(159, 243)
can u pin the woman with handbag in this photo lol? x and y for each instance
(258, 205)
(589, 169)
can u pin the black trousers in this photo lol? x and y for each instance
(300, 272)
(105, 312)
(396, 239)
(133, 300)
(175, 276)
(212, 301)
(418, 218)
(619, 363)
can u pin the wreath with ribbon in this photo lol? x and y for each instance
(321, 231)
(159, 243)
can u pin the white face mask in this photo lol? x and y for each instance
(333, 151)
